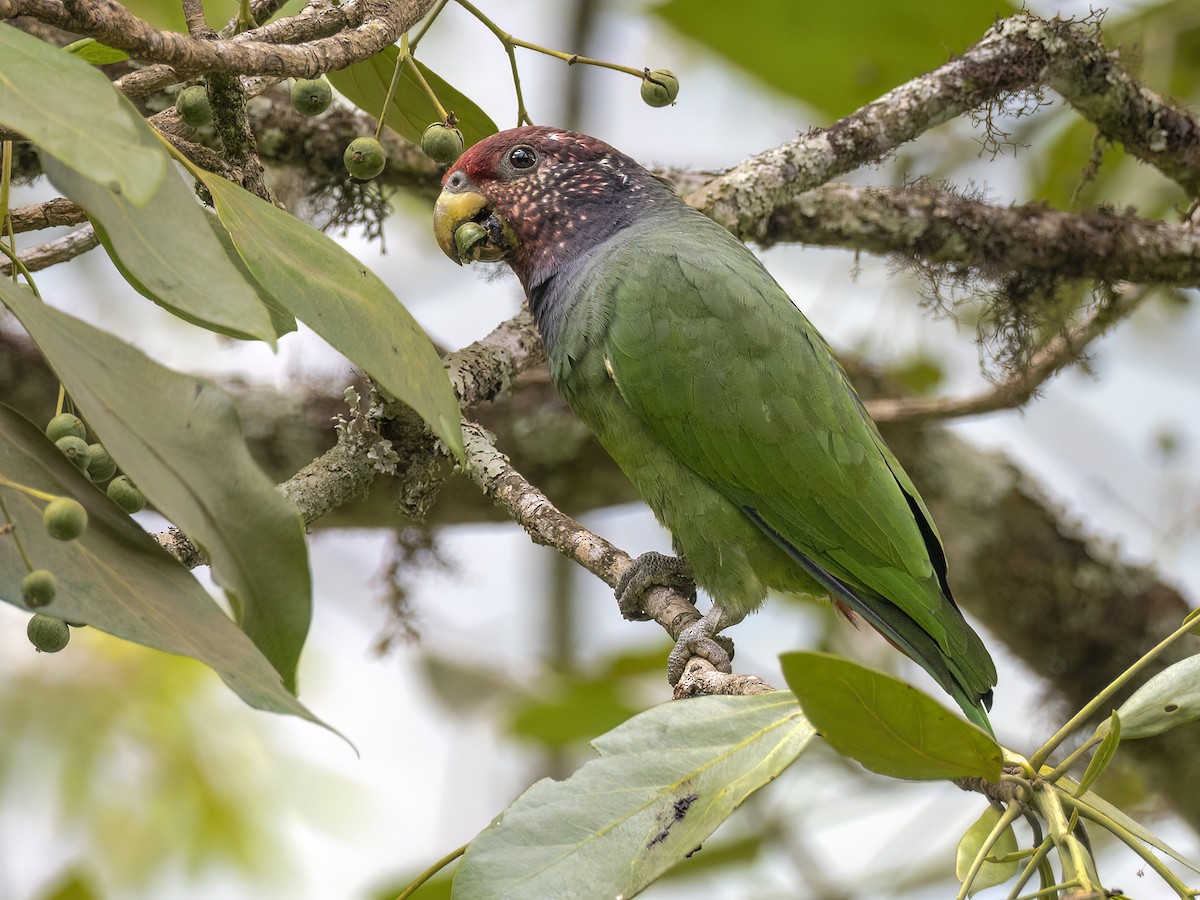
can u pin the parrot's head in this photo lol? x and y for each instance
(536, 197)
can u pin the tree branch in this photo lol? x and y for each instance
(1056, 355)
(370, 26)
(1018, 53)
(532, 510)
(937, 226)
(57, 251)
(51, 214)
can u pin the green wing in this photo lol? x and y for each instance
(711, 354)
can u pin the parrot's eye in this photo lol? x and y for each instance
(522, 157)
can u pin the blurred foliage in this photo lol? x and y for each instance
(921, 373)
(73, 887)
(834, 56)
(116, 745)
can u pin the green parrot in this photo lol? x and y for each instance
(717, 398)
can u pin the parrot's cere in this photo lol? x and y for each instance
(715, 395)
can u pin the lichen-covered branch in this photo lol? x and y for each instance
(370, 26)
(51, 214)
(1058, 353)
(1018, 53)
(346, 471)
(65, 248)
(936, 226)
(532, 510)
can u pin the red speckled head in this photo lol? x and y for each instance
(559, 191)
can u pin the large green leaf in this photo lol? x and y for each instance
(1170, 698)
(888, 726)
(116, 578)
(663, 783)
(72, 112)
(990, 873)
(834, 56)
(168, 252)
(178, 437)
(342, 301)
(365, 84)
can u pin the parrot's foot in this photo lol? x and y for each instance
(701, 639)
(650, 570)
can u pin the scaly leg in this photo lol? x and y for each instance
(652, 570)
(701, 638)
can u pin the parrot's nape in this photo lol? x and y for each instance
(715, 395)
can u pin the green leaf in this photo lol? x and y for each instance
(116, 578)
(888, 726)
(167, 252)
(1096, 808)
(663, 783)
(342, 301)
(92, 51)
(1103, 755)
(577, 709)
(71, 111)
(1170, 698)
(365, 84)
(179, 440)
(74, 887)
(990, 874)
(834, 56)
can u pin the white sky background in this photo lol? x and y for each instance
(426, 782)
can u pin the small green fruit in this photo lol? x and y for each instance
(65, 425)
(48, 634)
(468, 236)
(101, 466)
(122, 492)
(364, 158)
(193, 106)
(76, 450)
(65, 519)
(442, 143)
(659, 88)
(311, 96)
(38, 588)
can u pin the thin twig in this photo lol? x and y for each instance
(1058, 353)
(61, 250)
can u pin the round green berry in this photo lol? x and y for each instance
(442, 144)
(76, 450)
(466, 238)
(38, 588)
(311, 96)
(101, 466)
(48, 634)
(193, 106)
(122, 492)
(65, 519)
(364, 158)
(659, 88)
(65, 425)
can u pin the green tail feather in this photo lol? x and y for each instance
(895, 625)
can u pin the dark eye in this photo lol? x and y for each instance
(522, 157)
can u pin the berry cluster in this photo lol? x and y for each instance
(66, 519)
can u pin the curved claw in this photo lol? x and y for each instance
(699, 639)
(651, 570)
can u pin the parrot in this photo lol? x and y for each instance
(717, 398)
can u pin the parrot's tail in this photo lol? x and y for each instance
(894, 624)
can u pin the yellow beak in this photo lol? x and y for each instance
(452, 211)
(457, 209)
